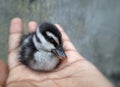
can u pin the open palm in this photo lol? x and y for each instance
(75, 71)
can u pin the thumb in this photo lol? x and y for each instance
(67, 45)
(69, 48)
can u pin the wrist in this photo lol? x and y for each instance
(93, 77)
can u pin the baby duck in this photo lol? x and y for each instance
(42, 50)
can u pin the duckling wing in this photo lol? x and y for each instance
(27, 49)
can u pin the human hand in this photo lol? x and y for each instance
(75, 71)
(3, 73)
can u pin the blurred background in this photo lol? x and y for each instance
(92, 25)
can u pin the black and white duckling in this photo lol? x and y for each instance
(42, 50)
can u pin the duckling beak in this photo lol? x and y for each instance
(59, 52)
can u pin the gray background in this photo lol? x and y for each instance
(92, 25)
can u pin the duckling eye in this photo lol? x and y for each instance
(50, 39)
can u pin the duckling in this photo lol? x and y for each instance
(42, 50)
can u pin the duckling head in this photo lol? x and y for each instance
(48, 38)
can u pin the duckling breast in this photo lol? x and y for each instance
(44, 61)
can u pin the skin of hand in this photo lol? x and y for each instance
(3, 73)
(75, 71)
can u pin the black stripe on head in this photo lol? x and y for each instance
(44, 27)
(51, 40)
(38, 39)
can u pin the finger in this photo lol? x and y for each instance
(64, 36)
(16, 30)
(32, 26)
(3, 72)
(67, 45)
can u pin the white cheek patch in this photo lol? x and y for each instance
(44, 43)
(53, 36)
